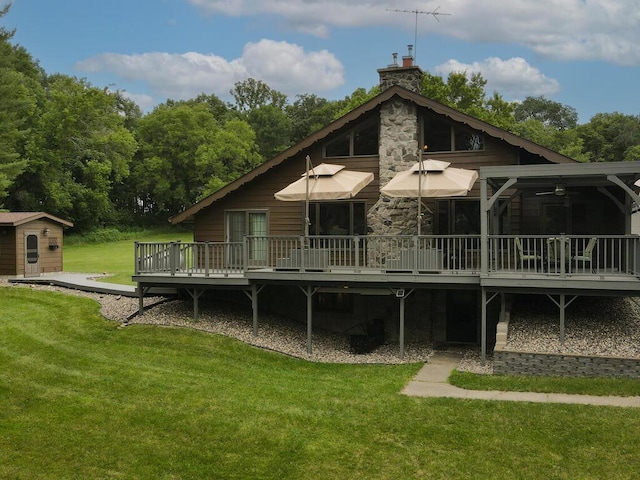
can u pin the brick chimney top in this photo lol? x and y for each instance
(407, 60)
(406, 75)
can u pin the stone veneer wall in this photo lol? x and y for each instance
(407, 77)
(508, 362)
(511, 362)
(398, 150)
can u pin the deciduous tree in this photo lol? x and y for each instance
(82, 149)
(251, 94)
(549, 113)
(20, 100)
(610, 137)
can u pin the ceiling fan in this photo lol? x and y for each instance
(559, 191)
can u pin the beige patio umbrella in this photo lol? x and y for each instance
(430, 179)
(324, 182)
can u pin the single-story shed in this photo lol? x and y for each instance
(31, 243)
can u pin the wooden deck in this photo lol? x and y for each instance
(524, 262)
(556, 266)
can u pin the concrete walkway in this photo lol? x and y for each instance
(431, 381)
(79, 281)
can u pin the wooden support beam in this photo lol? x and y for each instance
(401, 339)
(494, 198)
(195, 294)
(402, 295)
(253, 296)
(484, 227)
(142, 290)
(483, 329)
(309, 291)
(562, 305)
(629, 191)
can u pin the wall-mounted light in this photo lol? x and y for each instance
(46, 232)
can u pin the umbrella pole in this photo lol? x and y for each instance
(306, 202)
(421, 166)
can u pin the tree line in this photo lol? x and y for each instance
(90, 155)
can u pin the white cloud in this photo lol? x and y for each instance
(514, 78)
(314, 17)
(145, 102)
(288, 68)
(283, 66)
(177, 76)
(606, 30)
(559, 29)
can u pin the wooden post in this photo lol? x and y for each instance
(483, 333)
(562, 310)
(254, 308)
(141, 290)
(309, 294)
(401, 327)
(484, 233)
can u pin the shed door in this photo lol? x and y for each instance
(31, 255)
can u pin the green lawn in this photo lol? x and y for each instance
(114, 258)
(82, 398)
(117, 259)
(572, 385)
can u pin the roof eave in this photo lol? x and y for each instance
(36, 216)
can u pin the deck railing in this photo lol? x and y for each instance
(411, 254)
(565, 255)
(558, 255)
(198, 258)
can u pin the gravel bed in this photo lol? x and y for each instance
(594, 326)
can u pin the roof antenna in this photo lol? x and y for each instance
(434, 13)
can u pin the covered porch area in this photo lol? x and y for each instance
(573, 238)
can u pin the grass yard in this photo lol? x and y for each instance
(82, 398)
(114, 258)
(572, 385)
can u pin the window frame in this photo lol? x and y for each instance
(258, 251)
(455, 130)
(315, 217)
(351, 133)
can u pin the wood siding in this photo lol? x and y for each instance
(12, 247)
(284, 218)
(8, 262)
(287, 218)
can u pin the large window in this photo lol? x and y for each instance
(462, 217)
(443, 136)
(338, 218)
(361, 140)
(458, 217)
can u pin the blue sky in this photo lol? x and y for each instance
(583, 53)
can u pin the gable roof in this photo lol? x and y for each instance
(358, 112)
(14, 219)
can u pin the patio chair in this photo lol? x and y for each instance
(586, 256)
(526, 257)
(554, 252)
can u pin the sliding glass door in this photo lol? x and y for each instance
(240, 223)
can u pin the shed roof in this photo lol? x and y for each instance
(14, 219)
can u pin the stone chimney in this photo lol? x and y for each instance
(406, 75)
(399, 150)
